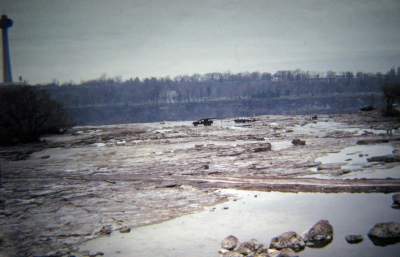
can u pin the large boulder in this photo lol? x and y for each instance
(250, 247)
(385, 233)
(396, 201)
(319, 235)
(229, 243)
(290, 240)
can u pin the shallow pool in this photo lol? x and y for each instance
(262, 217)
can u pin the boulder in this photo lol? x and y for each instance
(396, 201)
(250, 247)
(319, 235)
(253, 245)
(385, 233)
(244, 250)
(354, 239)
(229, 243)
(298, 142)
(290, 240)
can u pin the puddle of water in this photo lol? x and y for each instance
(322, 128)
(377, 173)
(355, 157)
(262, 217)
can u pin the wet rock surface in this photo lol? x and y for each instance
(290, 240)
(319, 235)
(229, 243)
(396, 201)
(297, 141)
(354, 239)
(62, 191)
(385, 233)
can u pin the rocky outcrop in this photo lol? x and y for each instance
(354, 239)
(229, 243)
(385, 233)
(290, 240)
(319, 235)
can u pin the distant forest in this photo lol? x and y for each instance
(112, 100)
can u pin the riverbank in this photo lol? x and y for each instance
(63, 191)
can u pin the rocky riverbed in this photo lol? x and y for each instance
(63, 191)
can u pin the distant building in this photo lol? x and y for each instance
(5, 24)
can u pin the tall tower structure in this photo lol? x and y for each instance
(5, 24)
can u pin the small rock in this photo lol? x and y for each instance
(232, 254)
(229, 242)
(290, 240)
(298, 142)
(287, 252)
(168, 184)
(319, 235)
(385, 233)
(354, 239)
(45, 157)
(263, 148)
(125, 229)
(106, 230)
(396, 201)
(244, 250)
(225, 208)
(223, 251)
(96, 254)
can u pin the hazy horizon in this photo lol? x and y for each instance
(76, 41)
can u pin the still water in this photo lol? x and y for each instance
(260, 215)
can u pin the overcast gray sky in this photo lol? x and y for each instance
(79, 40)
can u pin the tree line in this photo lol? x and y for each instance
(217, 87)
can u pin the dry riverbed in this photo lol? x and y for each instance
(95, 180)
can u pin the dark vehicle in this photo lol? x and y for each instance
(205, 122)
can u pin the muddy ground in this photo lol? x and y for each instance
(62, 191)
